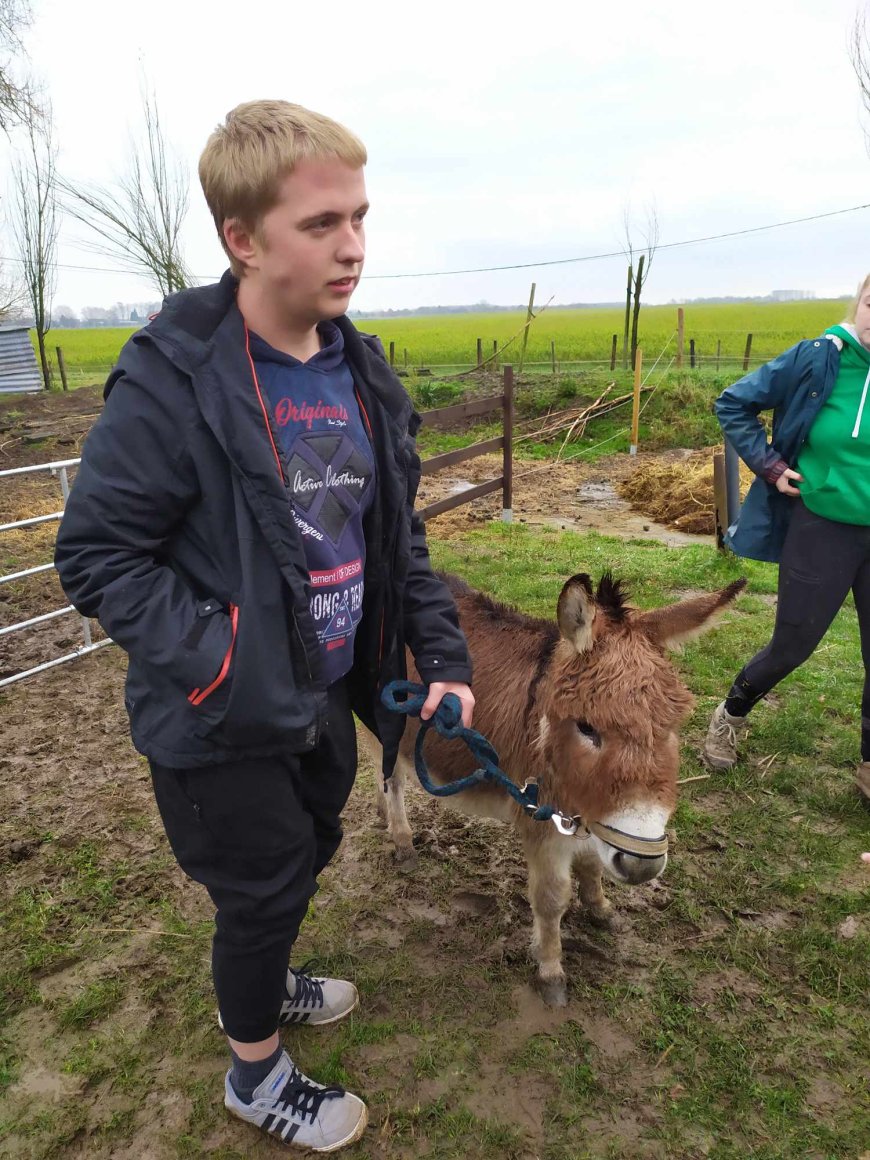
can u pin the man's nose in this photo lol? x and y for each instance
(351, 246)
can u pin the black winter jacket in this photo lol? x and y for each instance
(178, 536)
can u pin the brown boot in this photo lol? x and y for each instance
(862, 779)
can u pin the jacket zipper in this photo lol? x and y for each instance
(197, 697)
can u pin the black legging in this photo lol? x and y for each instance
(821, 561)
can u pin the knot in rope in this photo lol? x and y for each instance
(409, 698)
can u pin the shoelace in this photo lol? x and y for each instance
(308, 991)
(726, 730)
(303, 1097)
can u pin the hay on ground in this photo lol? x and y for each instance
(678, 492)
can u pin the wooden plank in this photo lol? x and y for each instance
(461, 497)
(462, 411)
(449, 458)
(720, 500)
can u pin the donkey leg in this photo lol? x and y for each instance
(391, 806)
(390, 803)
(550, 896)
(588, 871)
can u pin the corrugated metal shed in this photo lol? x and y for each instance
(19, 370)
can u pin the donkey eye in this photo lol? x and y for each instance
(586, 729)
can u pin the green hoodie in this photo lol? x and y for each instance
(835, 459)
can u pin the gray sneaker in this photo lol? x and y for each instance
(316, 1001)
(720, 744)
(289, 1105)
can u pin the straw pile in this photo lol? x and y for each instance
(678, 492)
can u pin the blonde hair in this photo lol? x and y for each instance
(853, 306)
(258, 145)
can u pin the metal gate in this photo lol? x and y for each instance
(59, 470)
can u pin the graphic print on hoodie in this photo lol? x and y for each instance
(835, 458)
(331, 475)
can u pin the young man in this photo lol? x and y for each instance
(242, 525)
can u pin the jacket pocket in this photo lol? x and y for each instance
(198, 695)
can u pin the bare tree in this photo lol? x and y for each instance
(10, 298)
(17, 100)
(638, 272)
(37, 222)
(859, 51)
(139, 222)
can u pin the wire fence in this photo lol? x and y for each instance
(60, 470)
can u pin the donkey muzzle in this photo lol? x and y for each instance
(635, 870)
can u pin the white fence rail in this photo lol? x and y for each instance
(59, 469)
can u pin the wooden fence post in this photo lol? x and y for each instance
(720, 500)
(495, 354)
(392, 354)
(479, 353)
(635, 408)
(406, 358)
(747, 353)
(681, 329)
(692, 353)
(613, 352)
(507, 513)
(61, 362)
(718, 352)
(530, 314)
(553, 354)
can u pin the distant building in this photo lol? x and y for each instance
(791, 295)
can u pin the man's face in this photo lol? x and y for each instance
(862, 319)
(308, 252)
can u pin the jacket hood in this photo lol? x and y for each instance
(848, 336)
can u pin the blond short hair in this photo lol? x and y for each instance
(853, 306)
(258, 145)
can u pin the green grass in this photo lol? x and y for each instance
(450, 340)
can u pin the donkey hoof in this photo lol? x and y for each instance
(606, 918)
(554, 992)
(406, 858)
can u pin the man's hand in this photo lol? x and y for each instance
(783, 484)
(436, 692)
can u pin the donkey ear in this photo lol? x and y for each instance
(575, 612)
(672, 626)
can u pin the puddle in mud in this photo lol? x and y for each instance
(600, 508)
(564, 500)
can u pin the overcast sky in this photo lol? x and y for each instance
(500, 135)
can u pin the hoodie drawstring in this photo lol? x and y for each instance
(861, 407)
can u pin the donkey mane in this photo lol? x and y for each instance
(612, 596)
(504, 613)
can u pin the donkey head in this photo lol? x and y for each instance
(610, 705)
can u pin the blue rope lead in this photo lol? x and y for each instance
(408, 698)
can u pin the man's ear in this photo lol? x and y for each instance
(240, 241)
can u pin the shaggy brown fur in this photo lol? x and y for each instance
(591, 710)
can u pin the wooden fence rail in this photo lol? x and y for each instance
(443, 417)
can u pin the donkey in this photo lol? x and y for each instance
(589, 707)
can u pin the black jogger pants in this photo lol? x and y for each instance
(256, 834)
